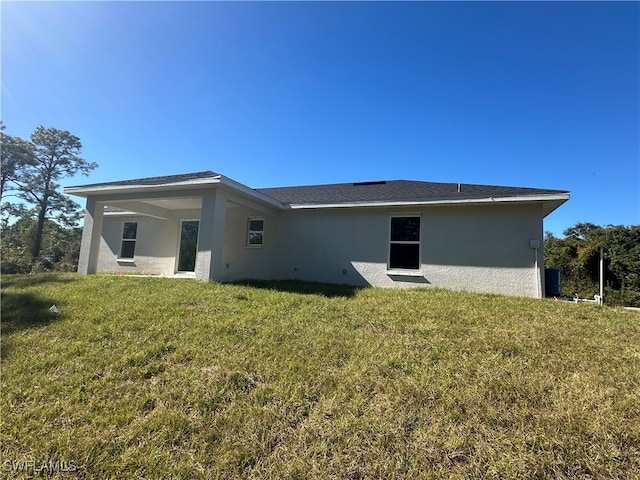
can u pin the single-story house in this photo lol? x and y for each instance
(396, 233)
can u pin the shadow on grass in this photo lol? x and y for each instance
(25, 281)
(22, 309)
(25, 310)
(328, 290)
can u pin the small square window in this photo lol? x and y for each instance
(405, 256)
(255, 232)
(256, 225)
(405, 229)
(130, 230)
(128, 249)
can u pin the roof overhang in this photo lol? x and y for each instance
(117, 189)
(123, 194)
(549, 202)
(134, 194)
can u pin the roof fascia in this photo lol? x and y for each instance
(562, 197)
(192, 187)
(102, 189)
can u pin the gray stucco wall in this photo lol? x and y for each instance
(479, 248)
(158, 240)
(155, 250)
(241, 261)
(473, 248)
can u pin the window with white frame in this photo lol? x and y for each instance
(128, 244)
(404, 243)
(255, 232)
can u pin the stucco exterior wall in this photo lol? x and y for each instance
(241, 261)
(158, 241)
(156, 245)
(473, 248)
(485, 249)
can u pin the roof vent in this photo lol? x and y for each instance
(363, 184)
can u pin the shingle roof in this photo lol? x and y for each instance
(346, 193)
(165, 180)
(395, 190)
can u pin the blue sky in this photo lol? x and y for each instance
(538, 94)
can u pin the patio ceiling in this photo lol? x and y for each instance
(163, 208)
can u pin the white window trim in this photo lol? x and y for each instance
(249, 232)
(409, 272)
(125, 260)
(120, 258)
(404, 273)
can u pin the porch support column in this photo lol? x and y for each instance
(211, 236)
(91, 234)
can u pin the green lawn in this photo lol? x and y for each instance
(160, 378)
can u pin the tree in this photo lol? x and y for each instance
(55, 156)
(16, 155)
(577, 257)
(583, 231)
(60, 246)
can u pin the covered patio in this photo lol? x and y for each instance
(199, 203)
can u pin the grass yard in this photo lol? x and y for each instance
(160, 378)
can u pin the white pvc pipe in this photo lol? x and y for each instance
(538, 280)
(601, 275)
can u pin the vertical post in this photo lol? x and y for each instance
(91, 234)
(601, 276)
(211, 236)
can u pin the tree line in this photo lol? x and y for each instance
(577, 256)
(39, 223)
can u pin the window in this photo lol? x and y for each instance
(404, 248)
(255, 232)
(128, 245)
